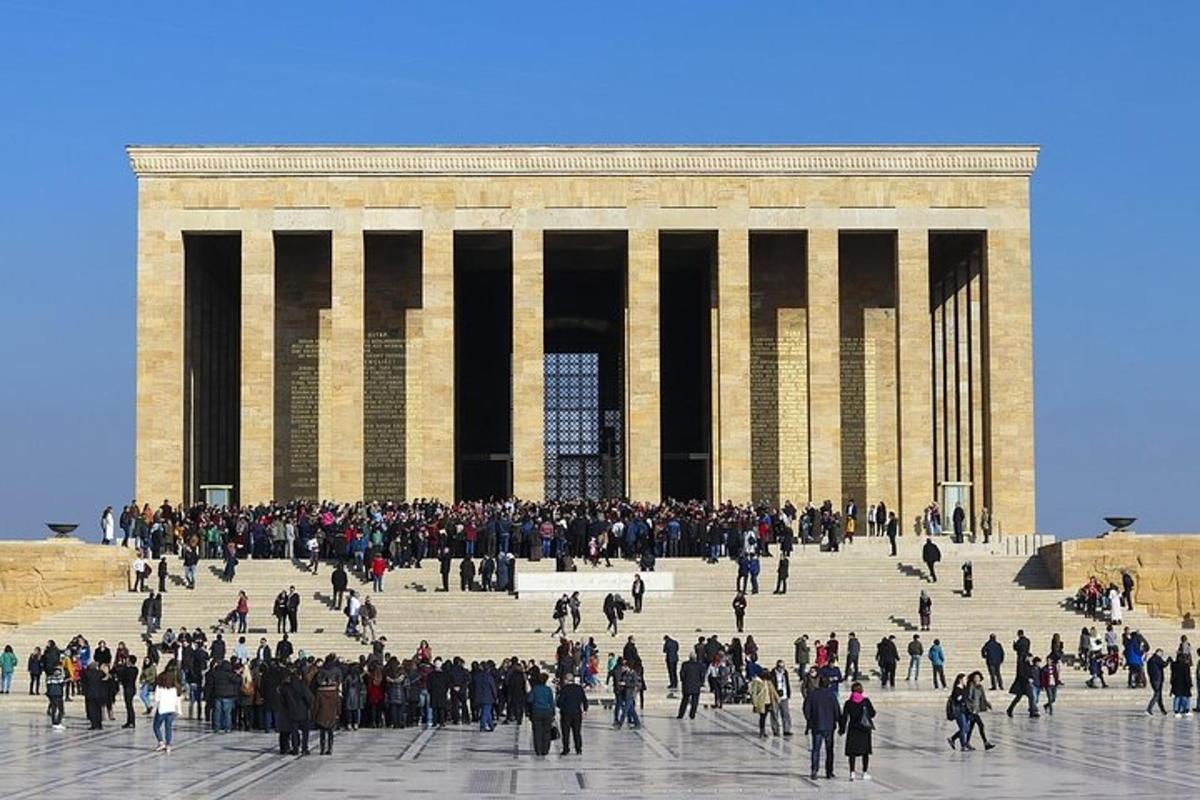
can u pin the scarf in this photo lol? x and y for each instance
(856, 697)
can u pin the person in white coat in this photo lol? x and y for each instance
(106, 526)
(1114, 605)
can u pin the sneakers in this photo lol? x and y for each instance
(866, 776)
(851, 776)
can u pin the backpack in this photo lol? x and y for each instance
(951, 714)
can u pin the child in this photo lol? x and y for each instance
(54, 692)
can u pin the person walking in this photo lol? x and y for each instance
(8, 665)
(561, 609)
(540, 703)
(1181, 684)
(1156, 669)
(1022, 687)
(821, 716)
(856, 723)
(671, 652)
(572, 708)
(977, 703)
(693, 675)
(166, 707)
(1048, 678)
(764, 699)
(957, 711)
(739, 610)
(931, 555)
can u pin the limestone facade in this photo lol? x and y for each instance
(40, 578)
(870, 361)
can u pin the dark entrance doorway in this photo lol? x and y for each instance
(686, 304)
(482, 365)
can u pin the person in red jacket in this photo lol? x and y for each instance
(378, 567)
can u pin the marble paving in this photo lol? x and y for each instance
(1079, 751)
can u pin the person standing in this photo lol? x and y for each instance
(127, 676)
(638, 590)
(925, 609)
(821, 715)
(781, 575)
(915, 651)
(106, 526)
(783, 689)
(35, 671)
(327, 704)
(968, 573)
(931, 554)
(671, 652)
(993, 654)
(95, 695)
(888, 657)
(293, 609)
(764, 699)
(739, 610)
(893, 530)
(1127, 589)
(853, 651)
(937, 660)
(8, 665)
(693, 676)
(856, 723)
(55, 688)
(444, 568)
(540, 703)
(166, 706)
(959, 518)
(1181, 684)
(572, 708)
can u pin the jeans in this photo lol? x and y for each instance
(817, 738)
(470, 547)
(223, 718)
(914, 668)
(144, 694)
(6, 682)
(164, 727)
(377, 582)
(504, 537)
(485, 717)
(189, 574)
(1156, 698)
(546, 548)
(631, 715)
(241, 622)
(1180, 704)
(56, 710)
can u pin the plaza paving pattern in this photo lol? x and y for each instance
(1116, 751)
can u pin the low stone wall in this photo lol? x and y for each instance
(40, 578)
(1165, 567)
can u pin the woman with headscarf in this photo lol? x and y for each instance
(856, 723)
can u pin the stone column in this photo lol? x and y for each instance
(347, 332)
(528, 366)
(824, 368)
(1009, 376)
(733, 303)
(257, 441)
(437, 351)
(160, 312)
(913, 374)
(643, 437)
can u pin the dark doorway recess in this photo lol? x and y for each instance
(212, 324)
(483, 305)
(687, 262)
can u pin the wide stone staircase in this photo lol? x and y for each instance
(859, 589)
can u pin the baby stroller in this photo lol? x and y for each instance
(226, 624)
(735, 689)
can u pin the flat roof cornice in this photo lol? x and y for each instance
(222, 161)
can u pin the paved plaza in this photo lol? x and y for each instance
(1117, 752)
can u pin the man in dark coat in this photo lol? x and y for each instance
(295, 708)
(466, 574)
(671, 651)
(444, 568)
(127, 675)
(514, 689)
(1022, 686)
(487, 568)
(95, 695)
(887, 655)
(693, 683)
(931, 555)
(438, 685)
(293, 608)
(638, 590)
(993, 656)
(781, 576)
(1156, 671)
(572, 706)
(821, 714)
(339, 580)
(484, 694)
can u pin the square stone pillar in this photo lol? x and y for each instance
(913, 376)
(528, 365)
(257, 441)
(160, 313)
(437, 354)
(824, 368)
(1009, 375)
(347, 332)
(733, 373)
(643, 436)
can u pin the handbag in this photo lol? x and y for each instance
(865, 723)
(553, 732)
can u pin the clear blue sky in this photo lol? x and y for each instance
(1110, 90)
